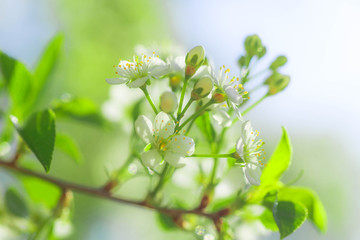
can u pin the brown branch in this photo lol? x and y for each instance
(103, 193)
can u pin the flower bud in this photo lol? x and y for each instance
(175, 81)
(219, 97)
(168, 102)
(243, 62)
(202, 88)
(254, 46)
(278, 62)
(194, 58)
(277, 82)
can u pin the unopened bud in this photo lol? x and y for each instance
(202, 88)
(175, 81)
(278, 62)
(219, 97)
(243, 62)
(194, 58)
(254, 46)
(168, 102)
(277, 83)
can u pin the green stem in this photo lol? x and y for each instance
(147, 95)
(182, 96)
(195, 115)
(185, 109)
(254, 105)
(161, 181)
(257, 87)
(214, 155)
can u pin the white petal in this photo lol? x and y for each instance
(237, 112)
(240, 148)
(203, 71)
(117, 80)
(158, 68)
(253, 174)
(124, 69)
(151, 158)
(181, 144)
(177, 64)
(138, 82)
(143, 127)
(233, 94)
(175, 159)
(246, 129)
(222, 118)
(164, 126)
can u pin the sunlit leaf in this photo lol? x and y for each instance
(279, 161)
(15, 203)
(40, 191)
(66, 144)
(308, 199)
(288, 216)
(39, 135)
(267, 219)
(47, 61)
(80, 109)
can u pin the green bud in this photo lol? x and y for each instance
(202, 88)
(254, 46)
(277, 83)
(175, 81)
(194, 58)
(243, 62)
(168, 102)
(278, 62)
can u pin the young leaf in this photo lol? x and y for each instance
(47, 62)
(308, 199)
(40, 191)
(15, 204)
(279, 161)
(39, 134)
(7, 66)
(80, 109)
(165, 221)
(288, 216)
(66, 144)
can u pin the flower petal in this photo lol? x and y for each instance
(177, 64)
(138, 82)
(123, 68)
(143, 127)
(117, 80)
(237, 112)
(175, 159)
(151, 158)
(222, 117)
(158, 68)
(164, 126)
(233, 95)
(253, 174)
(240, 148)
(182, 145)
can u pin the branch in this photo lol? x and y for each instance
(102, 193)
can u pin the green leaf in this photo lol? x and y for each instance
(80, 109)
(40, 191)
(15, 204)
(309, 199)
(267, 219)
(19, 82)
(7, 66)
(165, 221)
(288, 216)
(205, 126)
(66, 144)
(279, 161)
(47, 62)
(39, 135)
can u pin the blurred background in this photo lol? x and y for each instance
(319, 108)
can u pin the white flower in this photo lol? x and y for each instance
(165, 143)
(248, 149)
(232, 88)
(137, 72)
(177, 65)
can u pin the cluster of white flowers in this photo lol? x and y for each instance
(166, 139)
